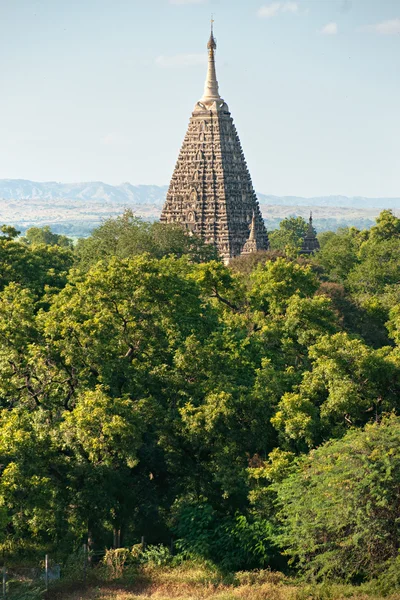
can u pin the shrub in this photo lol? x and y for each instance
(232, 542)
(115, 561)
(340, 509)
(158, 556)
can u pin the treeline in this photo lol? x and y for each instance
(249, 412)
(323, 224)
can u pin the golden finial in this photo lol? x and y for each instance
(212, 44)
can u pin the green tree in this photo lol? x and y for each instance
(378, 266)
(9, 232)
(340, 507)
(144, 392)
(289, 237)
(349, 384)
(44, 235)
(339, 254)
(276, 282)
(35, 267)
(387, 227)
(128, 236)
(33, 488)
(80, 480)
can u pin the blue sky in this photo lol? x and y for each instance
(103, 89)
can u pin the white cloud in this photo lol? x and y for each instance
(269, 10)
(180, 60)
(292, 7)
(187, 1)
(273, 8)
(390, 27)
(329, 29)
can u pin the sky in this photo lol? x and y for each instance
(102, 90)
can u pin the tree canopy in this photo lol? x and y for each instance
(247, 410)
(289, 237)
(340, 506)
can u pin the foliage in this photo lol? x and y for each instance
(115, 561)
(232, 542)
(348, 382)
(340, 508)
(156, 555)
(388, 579)
(128, 236)
(289, 237)
(9, 232)
(338, 254)
(148, 389)
(40, 268)
(246, 263)
(276, 282)
(44, 235)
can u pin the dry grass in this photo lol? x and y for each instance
(202, 583)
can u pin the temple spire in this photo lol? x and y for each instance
(252, 235)
(310, 225)
(251, 243)
(211, 92)
(310, 240)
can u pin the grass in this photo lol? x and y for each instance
(198, 582)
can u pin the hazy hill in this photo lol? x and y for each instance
(334, 201)
(126, 193)
(75, 208)
(23, 189)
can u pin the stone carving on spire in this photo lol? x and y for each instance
(212, 160)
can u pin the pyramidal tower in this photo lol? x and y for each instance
(211, 193)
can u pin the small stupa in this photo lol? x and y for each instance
(251, 244)
(310, 240)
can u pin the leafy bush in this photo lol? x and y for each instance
(158, 556)
(388, 581)
(233, 543)
(340, 509)
(115, 561)
(259, 577)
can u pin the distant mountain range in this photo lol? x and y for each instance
(128, 194)
(76, 208)
(125, 193)
(334, 201)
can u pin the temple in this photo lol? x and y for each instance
(310, 240)
(211, 193)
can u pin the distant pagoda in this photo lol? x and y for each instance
(211, 193)
(310, 240)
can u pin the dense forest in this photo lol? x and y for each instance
(248, 412)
